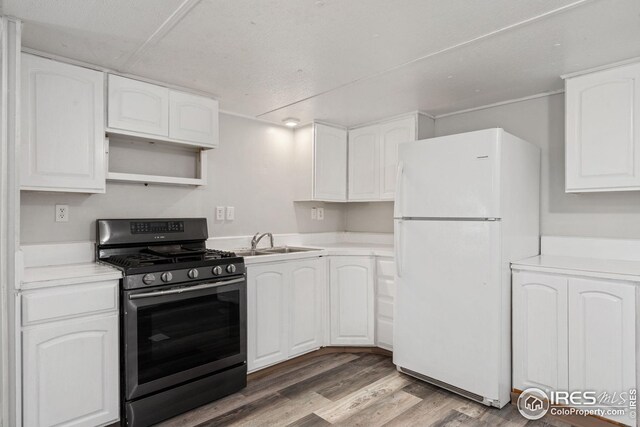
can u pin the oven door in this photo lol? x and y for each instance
(175, 335)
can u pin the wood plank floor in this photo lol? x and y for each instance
(348, 389)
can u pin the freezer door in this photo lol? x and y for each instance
(448, 304)
(452, 176)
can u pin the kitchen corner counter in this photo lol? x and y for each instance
(67, 274)
(582, 266)
(325, 249)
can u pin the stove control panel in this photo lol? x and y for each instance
(147, 227)
(176, 277)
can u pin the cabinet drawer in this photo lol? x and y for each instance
(385, 307)
(386, 267)
(386, 287)
(69, 301)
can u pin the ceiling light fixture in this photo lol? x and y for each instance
(291, 122)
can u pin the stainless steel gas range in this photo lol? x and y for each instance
(183, 316)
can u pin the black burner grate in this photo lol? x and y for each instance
(138, 260)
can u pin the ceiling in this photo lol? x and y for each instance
(345, 62)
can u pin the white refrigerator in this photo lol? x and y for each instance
(466, 206)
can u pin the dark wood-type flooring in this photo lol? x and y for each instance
(347, 389)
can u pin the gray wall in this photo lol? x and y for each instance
(540, 121)
(251, 170)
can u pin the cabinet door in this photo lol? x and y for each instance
(136, 106)
(70, 373)
(352, 299)
(364, 168)
(392, 134)
(602, 337)
(267, 320)
(305, 308)
(62, 127)
(603, 130)
(193, 118)
(330, 163)
(385, 302)
(540, 357)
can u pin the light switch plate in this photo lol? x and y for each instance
(219, 213)
(320, 214)
(314, 213)
(231, 213)
(62, 213)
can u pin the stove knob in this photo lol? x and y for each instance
(217, 270)
(193, 273)
(231, 268)
(166, 277)
(148, 279)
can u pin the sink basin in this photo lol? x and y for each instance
(273, 251)
(249, 252)
(287, 250)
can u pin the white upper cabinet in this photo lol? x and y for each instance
(603, 130)
(373, 155)
(137, 106)
(364, 170)
(193, 118)
(321, 163)
(391, 135)
(63, 141)
(143, 109)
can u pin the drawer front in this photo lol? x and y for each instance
(385, 267)
(386, 287)
(69, 301)
(384, 336)
(385, 308)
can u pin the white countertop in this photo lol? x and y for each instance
(67, 274)
(593, 267)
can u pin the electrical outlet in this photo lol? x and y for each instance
(231, 213)
(314, 213)
(320, 214)
(219, 213)
(62, 213)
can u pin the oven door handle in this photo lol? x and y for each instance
(186, 289)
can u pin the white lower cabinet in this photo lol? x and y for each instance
(70, 367)
(351, 291)
(385, 300)
(575, 333)
(284, 318)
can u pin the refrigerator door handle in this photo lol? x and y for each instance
(398, 203)
(397, 237)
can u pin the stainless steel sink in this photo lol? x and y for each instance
(249, 252)
(287, 250)
(273, 251)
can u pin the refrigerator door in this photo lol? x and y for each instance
(448, 304)
(449, 177)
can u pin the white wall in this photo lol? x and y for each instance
(540, 121)
(251, 170)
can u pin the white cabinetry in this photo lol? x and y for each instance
(385, 302)
(193, 118)
(70, 366)
(321, 163)
(63, 142)
(574, 333)
(540, 343)
(373, 155)
(137, 106)
(141, 109)
(351, 300)
(267, 320)
(284, 310)
(603, 130)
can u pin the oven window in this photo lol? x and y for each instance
(177, 336)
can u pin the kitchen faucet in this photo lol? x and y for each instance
(257, 237)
